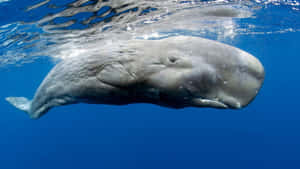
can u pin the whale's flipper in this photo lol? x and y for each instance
(21, 103)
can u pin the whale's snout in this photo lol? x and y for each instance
(241, 83)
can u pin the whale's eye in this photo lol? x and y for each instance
(172, 59)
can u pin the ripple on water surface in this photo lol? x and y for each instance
(63, 29)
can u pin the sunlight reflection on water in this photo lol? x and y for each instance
(81, 26)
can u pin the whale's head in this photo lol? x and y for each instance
(204, 73)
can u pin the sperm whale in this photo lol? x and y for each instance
(174, 72)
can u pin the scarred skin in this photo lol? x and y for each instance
(175, 72)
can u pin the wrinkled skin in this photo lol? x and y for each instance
(174, 72)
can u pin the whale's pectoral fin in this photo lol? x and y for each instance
(21, 103)
(116, 74)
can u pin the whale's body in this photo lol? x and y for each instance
(174, 72)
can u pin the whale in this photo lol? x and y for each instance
(174, 72)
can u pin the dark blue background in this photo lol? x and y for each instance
(263, 135)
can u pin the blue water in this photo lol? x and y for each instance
(264, 135)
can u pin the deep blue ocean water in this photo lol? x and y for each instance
(264, 135)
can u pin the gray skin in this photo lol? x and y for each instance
(175, 72)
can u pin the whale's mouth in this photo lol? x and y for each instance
(200, 102)
(216, 103)
(214, 96)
